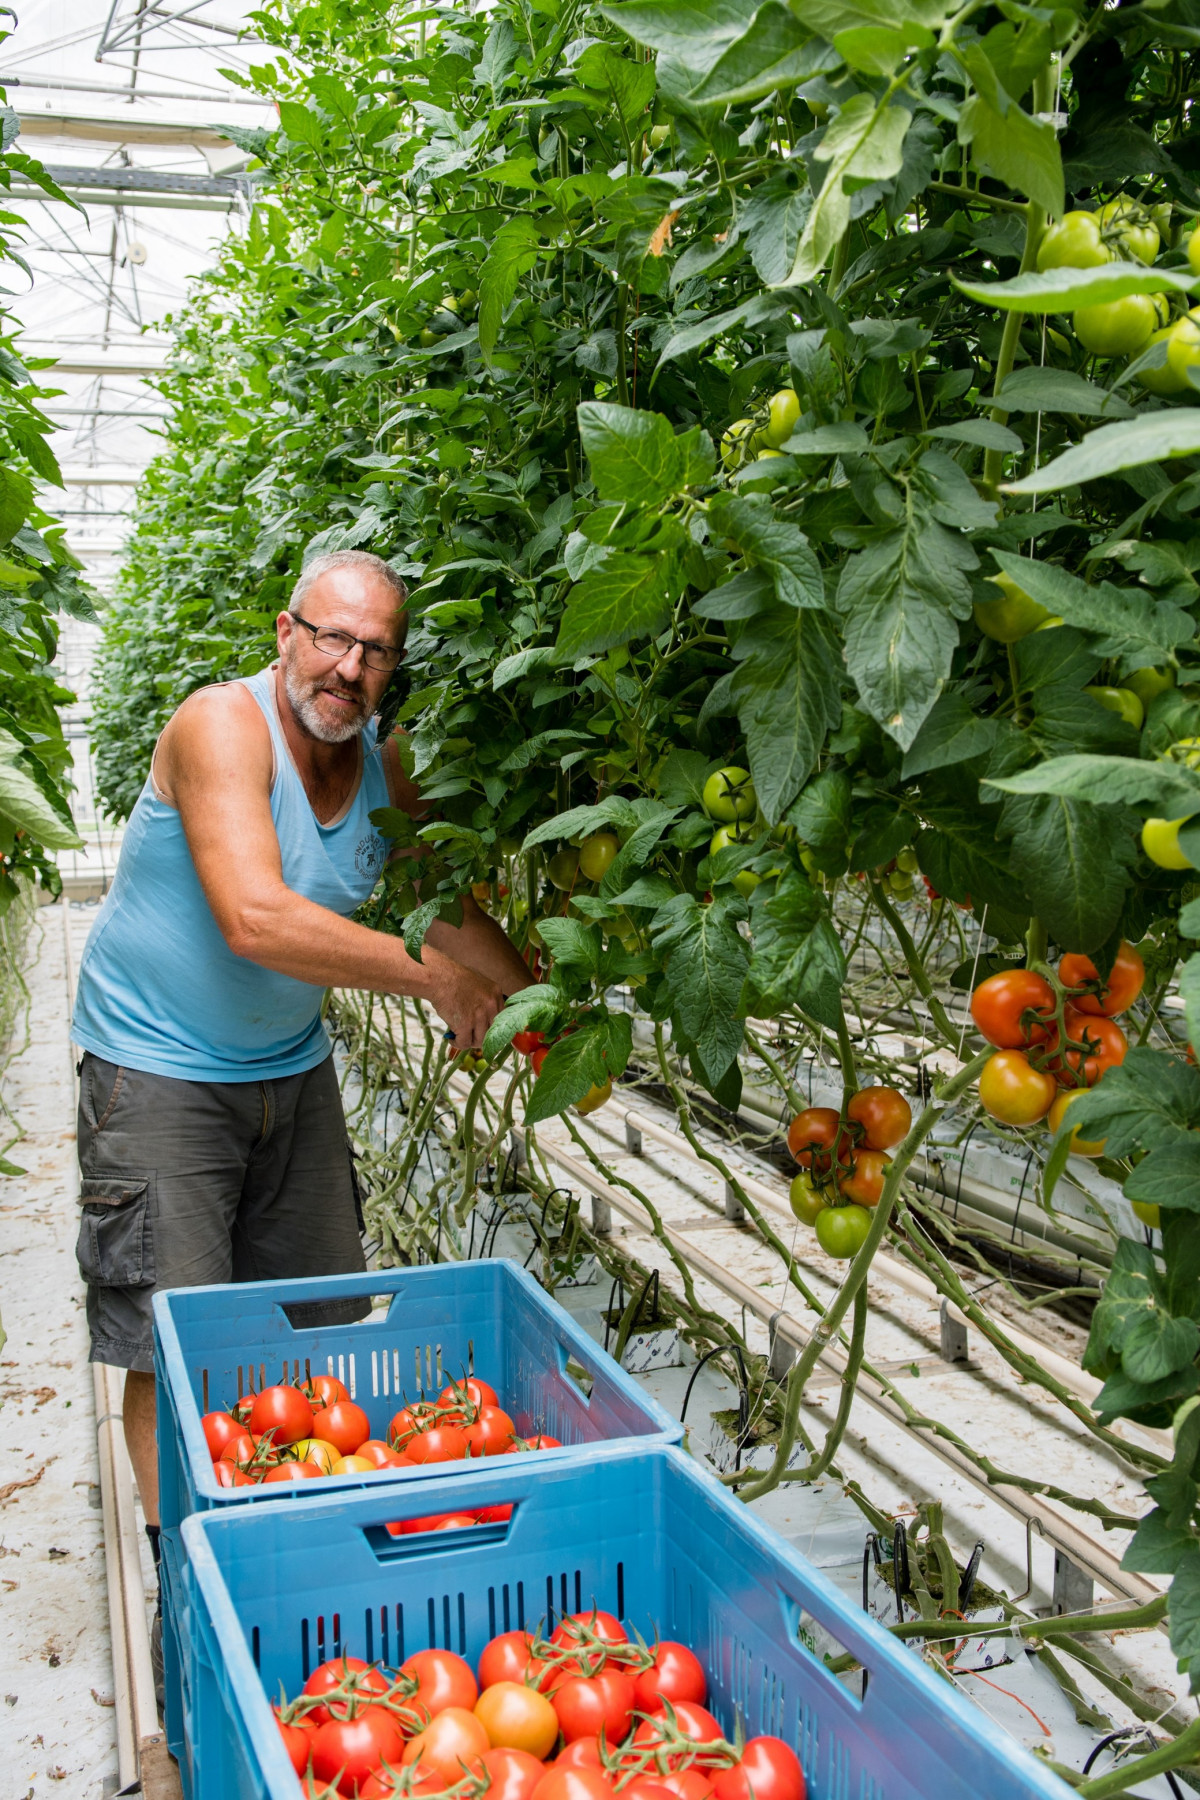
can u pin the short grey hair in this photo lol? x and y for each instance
(362, 560)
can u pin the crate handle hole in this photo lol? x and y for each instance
(580, 1377)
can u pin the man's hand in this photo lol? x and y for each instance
(468, 1003)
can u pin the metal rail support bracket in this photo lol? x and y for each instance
(733, 1207)
(1073, 1590)
(601, 1217)
(782, 1353)
(633, 1139)
(954, 1346)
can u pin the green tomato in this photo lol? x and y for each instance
(659, 135)
(900, 885)
(1160, 841)
(1162, 380)
(1193, 251)
(729, 795)
(596, 854)
(735, 443)
(745, 881)
(1122, 701)
(725, 835)
(842, 1230)
(761, 455)
(1013, 616)
(1118, 327)
(1148, 1213)
(808, 861)
(1146, 683)
(1184, 750)
(1074, 243)
(428, 339)
(1183, 347)
(806, 1201)
(784, 411)
(468, 299)
(509, 846)
(1128, 227)
(907, 860)
(1050, 624)
(562, 869)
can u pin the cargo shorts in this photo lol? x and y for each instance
(186, 1183)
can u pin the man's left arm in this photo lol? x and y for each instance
(480, 942)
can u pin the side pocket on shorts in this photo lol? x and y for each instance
(115, 1247)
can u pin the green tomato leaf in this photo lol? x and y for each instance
(1034, 390)
(798, 958)
(635, 456)
(706, 965)
(301, 124)
(775, 51)
(25, 803)
(513, 253)
(1168, 1177)
(1151, 1102)
(533, 1009)
(1074, 859)
(865, 142)
(787, 696)
(588, 1058)
(954, 732)
(777, 547)
(1153, 437)
(626, 597)
(1189, 989)
(1169, 790)
(1158, 1548)
(697, 30)
(1156, 1345)
(1064, 290)
(1017, 149)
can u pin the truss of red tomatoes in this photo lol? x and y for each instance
(844, 1162)
(312, 1429)
(1055, 1034)
(585, 1714)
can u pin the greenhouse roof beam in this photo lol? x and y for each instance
(112, 128)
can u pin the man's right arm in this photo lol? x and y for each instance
(215, 760)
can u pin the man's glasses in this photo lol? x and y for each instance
(339, 643)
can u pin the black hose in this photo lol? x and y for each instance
(743, 1395)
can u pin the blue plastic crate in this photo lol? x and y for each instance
(644, 1533)
(213, 1344)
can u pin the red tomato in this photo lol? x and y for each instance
(1013, 1091)
(676, 1675)
(441, 1443)
(343, 1425)
(585, 1628)
(313, 1789)
(1122, 988)
(295, 1471)
(477, 1392)
(580, 1753)
(324, 1391)
(1008, 1009)
(378, 1453)
(360, 1678)
(526, 1042)
(409, 1420)
(491, 1434)
(383, 1786)
(863, 1181)
(589, 1705)
(691, 1721)
(494, 1515)
(430, 1522)
(297, 1741)
(1106, 1045)
(505, 1658)
(229, 1475)
(813, 1135)
(440, 1679)
(284, 1412)
(512, 1774)
(769, 1770)
(645, 1787)
(220, 1429)
(538, 1058)
(687, 1784)
(449, 1743)
(239, 1449)
(541, 1442)
(574, 1784)
(884, 1115)
(347, 1750)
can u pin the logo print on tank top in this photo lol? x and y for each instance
(368, 855)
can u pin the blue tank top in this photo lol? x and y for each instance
(160, 989)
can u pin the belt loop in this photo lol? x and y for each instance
(268, 1112)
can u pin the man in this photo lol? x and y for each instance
(212, 1145)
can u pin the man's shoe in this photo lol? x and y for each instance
(156, 1663)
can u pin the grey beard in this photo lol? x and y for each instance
(304, 705)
